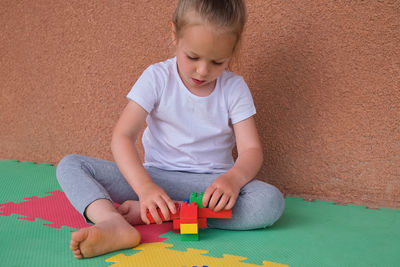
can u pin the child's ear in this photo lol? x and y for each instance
(173, 33)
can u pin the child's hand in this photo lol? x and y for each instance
(152, 196)
(221, 194)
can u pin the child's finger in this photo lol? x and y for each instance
(171, 205)
(207, 195)
(222, 203)
(214, 199)
(155, 215)
(231, 203)
(143, 214)
(162, 205)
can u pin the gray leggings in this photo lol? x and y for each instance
(85, 179)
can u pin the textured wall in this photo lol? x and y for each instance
(324, 75)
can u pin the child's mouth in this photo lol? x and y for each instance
(198, 82)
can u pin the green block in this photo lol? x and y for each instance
(198, 198)
(187, 237)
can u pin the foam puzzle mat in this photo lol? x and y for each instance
(36, 221)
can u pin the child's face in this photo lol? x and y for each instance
(202, 56)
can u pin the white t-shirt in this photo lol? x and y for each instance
(186, 132)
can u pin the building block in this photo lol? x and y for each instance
(189, 228)
(188, 213)
(189, 237)
(176, 215)
(207, 213)
(202, 223)
(197, 198)
(176, 224)
(172, 216)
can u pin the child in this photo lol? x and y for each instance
(195, 110)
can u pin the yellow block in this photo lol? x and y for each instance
(189, 228)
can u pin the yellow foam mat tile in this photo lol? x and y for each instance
(159, 254)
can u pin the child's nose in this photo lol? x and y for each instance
(202, 69)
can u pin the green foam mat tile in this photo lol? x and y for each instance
(311, 234)
(25, 243)
(19, 180)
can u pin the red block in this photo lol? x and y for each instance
(176, 215)
(189, 213)
(176, 224)
(202, 223)
(172, 216)
(207, 213)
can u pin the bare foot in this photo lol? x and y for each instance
(104, 237)
(130, 210)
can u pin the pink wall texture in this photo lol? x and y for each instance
(324, 75)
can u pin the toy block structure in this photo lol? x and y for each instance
(188, 221)
(192, 216)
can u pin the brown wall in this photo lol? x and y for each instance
(324, 75)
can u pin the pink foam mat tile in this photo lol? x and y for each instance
(56, 209)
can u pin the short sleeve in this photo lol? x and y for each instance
(240, 102)
(145, 91)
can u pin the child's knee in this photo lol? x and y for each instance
(67, 163)
(268, 204)
(68, 160)
(275, 204)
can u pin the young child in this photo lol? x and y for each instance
(195, 111)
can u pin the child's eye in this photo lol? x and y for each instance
(191, 58)
(217, 63)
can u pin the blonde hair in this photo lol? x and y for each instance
(227, 15)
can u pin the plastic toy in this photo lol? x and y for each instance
(192, 216)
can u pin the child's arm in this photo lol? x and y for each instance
(223, 192)
(127, 158)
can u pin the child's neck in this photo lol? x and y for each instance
(203, 92)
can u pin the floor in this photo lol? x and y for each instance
(36, 220)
